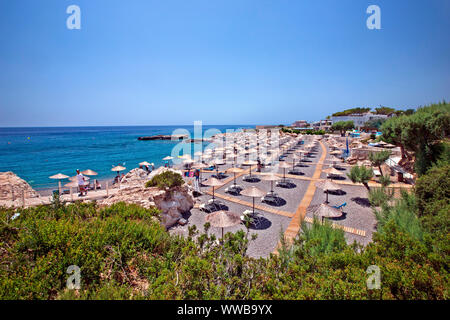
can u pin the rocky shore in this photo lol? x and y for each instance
(172, 203)
(12, 187)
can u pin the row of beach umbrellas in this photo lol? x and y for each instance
(87, 173)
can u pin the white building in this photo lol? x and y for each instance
(359, 119)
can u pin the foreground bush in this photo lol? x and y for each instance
(167, 179)
(124, 253)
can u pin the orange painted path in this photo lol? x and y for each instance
(296, 222)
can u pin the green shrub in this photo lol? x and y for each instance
(385, 180)
(322, 238)
(380, 196)
(167, 179)
(402, 214)
(378, 158)
(433, 190)
(361, 174)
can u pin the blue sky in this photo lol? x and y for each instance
(220, 61)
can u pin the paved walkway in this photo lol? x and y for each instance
(296, 222)
(299, 216)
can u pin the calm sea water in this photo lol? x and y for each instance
(37, 153)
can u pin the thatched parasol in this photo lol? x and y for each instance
(235, 170)
(249, 163)
(333, 171)
(253, 192)
(118, 169)
(89, 172)
(213, 182)
(270, 177)
(59, 177)
(326, 211)
(284, 166)
(223, 219)
(327, 185)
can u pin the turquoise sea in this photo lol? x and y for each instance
(34, 154)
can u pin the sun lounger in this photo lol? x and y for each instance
(341, 206)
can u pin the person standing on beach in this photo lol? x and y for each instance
(80, 181)
(196, 180)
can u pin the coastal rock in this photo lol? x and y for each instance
(11, 184)
(136, 176)
(172, 203)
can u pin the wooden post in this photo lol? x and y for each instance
(23, 198)
(12, 193)
(71, 194)
(107, 188)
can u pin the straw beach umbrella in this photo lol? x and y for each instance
(253, 192)
(336, 152)
(235, 170)
(89, 172)
(145, 163)
(326, 211)
(168, 159)
(249, 163)
(223, 219)
(118, 169)
(327, 185)
(213, 182)
(59, 177)
(74, 178)
(270, 177)
(72, 184)
(284, 166)
(332, 172)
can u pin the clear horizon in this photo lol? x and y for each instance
(150, 63)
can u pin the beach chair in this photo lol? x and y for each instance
(341, 206)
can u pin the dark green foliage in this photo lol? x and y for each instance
(320, 239)
(351, 111)
(385, 180)
(361, 174)
(380, 196)
(375, 123)
(124, 253)
(384, 110)
(342, 126)
(378, 158)
(166, 179)
(421, 133)
(309, 131)
(433, 199)
(403, 215)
